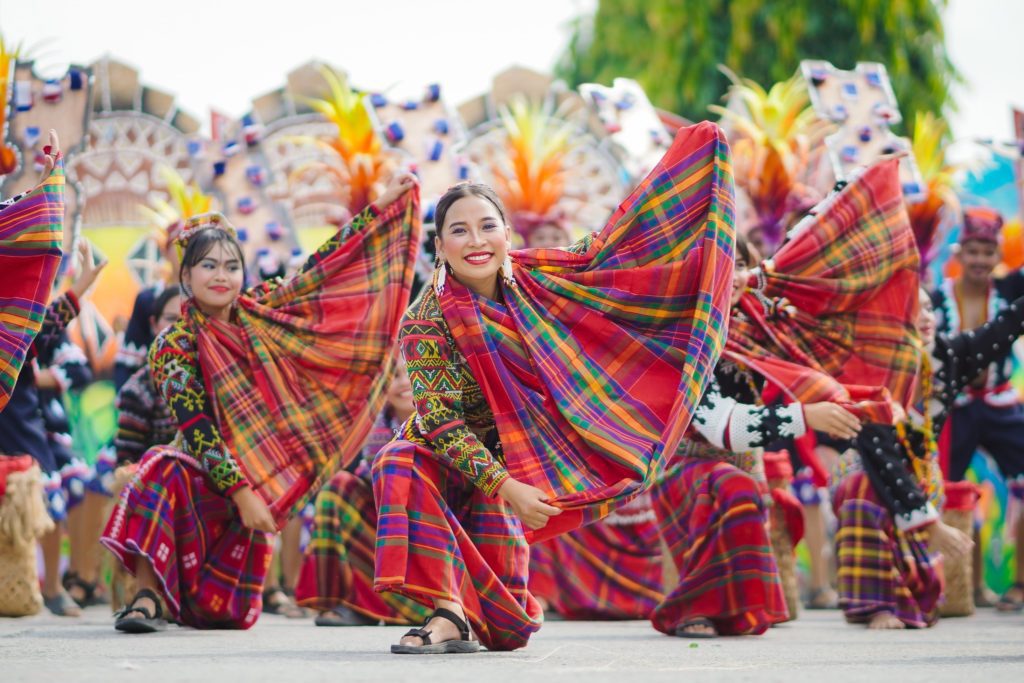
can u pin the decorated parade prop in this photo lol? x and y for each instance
(863, 105)
(23, 519)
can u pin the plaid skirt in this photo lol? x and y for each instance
(210, 567)
(439, 537)
(882, 569)
(338, 567)
(713, 520)
(607, 570)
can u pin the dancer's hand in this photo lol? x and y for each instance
(832, 419)
(87, 269)
(529, 503)
(254, 512)
(400, 183)
(51, 157)
(950, 541)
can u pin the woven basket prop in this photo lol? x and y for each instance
(786, 524)
(961, 497)
(23, 519)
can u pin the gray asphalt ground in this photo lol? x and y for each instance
(819, 646)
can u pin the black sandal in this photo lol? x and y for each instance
(147, 623)
(1008, 604)
(462, 646)
(681, 631)
(72, 583)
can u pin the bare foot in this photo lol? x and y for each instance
(440, 629)
(697, 628)
(885, 621)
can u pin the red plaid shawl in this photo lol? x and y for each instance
(844, 303)
(595, 361)
(299, 377)
(31, 232)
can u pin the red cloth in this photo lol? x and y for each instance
(10, 464)
(961, 495)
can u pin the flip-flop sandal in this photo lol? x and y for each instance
(148, 622)
(1008, 604)
(681, 631)
(449, 647)
(62, 605)
(815, 599)
(344, 616)
(282, 605)
(71, 580)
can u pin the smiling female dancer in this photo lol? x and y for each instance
(269, 389)
(533, 375)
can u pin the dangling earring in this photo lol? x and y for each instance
(506, 271)
(439, 278)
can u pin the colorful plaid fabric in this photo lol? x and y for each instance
(610, 569)
(440, 536)
(31, 233)
(339, 562)
(596, 360)
(882, 569)
(712, 519)
(210, 567)
(298, 376)
(834, 318)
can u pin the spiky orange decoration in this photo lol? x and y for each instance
(363, 163)
(8, 57)
(930, 153)
(186, 201)
(774, 139)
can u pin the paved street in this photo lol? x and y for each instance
(819, 646)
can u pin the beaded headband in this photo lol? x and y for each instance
(198, 223)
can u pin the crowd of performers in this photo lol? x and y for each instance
(573, 430)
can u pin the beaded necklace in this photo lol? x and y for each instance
(922, 465)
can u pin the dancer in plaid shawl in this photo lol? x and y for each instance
(337, 574)
(711, 502)
(533, 375)
(834, 309)
(270, 389)
(888, 504)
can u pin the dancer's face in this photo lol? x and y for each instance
(216, 280)
(926, 319)
(548, 237)
(474, 241)
(978, 258)
(740, 275)
(399, 395)
(167, 317)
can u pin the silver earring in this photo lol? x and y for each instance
(439, 279)
(506, 271)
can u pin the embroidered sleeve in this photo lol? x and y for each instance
(176, 373)
(58, 314)
(68, 364)
(134, 414)
(892, 481)
(968, 354)
(437, 392)
(14, 200)
(725, 423)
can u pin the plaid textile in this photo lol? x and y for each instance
(598, 357)
(440, 536)
(843, 295)
(31, 232)
(338, 567)
(610, 569)
(713, 521)
(299, 377)
(882, 569)
(211, 568)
